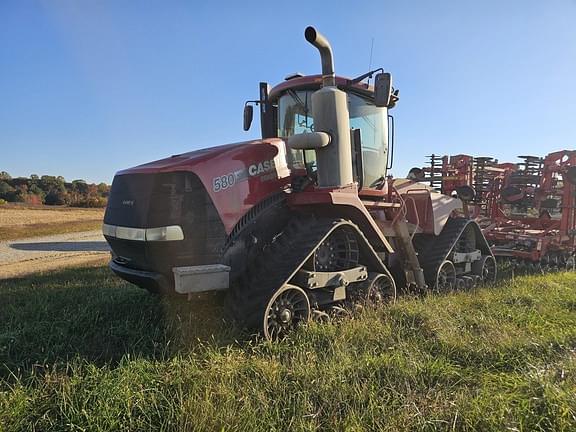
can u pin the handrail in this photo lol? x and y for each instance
(402, 210)
(417, 216)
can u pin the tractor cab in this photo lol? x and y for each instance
(286, 111)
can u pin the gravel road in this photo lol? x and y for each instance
(19, 257)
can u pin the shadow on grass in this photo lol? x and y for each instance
(90, 314)
(71, 246)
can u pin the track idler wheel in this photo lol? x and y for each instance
(288, 308)
(445, 277)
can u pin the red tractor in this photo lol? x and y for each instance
(299, 222)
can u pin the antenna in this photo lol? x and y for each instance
(370, 63)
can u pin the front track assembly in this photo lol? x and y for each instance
(313, 265)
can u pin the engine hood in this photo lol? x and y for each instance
(189, 160)
(236, 176)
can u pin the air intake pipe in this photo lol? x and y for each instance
(321, 43)
(331, 139)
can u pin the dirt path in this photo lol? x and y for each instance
(31, 255)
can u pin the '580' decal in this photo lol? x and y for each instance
(226, 181)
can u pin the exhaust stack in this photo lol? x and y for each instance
(321, 43)
(331, 139)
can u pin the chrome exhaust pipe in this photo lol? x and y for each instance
(321, 43)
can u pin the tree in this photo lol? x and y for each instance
(80, 186)
(34, 189)
(56, 197)
(5, 190)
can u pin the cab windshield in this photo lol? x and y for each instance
(295, 117)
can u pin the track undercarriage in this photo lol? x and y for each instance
(314, 267)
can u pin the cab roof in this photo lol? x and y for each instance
(310, 82)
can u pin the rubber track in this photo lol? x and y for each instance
(283, 258)
(431, 259)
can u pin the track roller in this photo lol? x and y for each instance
(378, 289)
(460, 284)
(468, 282)
(486, 269)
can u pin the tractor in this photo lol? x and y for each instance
(300, 222)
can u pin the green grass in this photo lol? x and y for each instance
(81, 350)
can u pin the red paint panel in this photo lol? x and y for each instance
(236, 176)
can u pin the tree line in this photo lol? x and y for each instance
(52, 190)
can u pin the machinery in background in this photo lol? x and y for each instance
(535, 226)
(475, 180)
(526, 209)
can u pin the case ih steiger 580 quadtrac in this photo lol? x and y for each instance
(300, 221)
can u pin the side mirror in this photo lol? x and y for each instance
(382, 89)
(248, 115)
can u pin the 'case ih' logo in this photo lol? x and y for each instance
(261, 167)
(128, 202)
(258, 169)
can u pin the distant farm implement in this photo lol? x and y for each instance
(526, 209)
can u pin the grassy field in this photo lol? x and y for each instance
(18, 222)
(81, 350)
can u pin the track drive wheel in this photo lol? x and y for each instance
(339, 251)
(287, 309)
(446, 277)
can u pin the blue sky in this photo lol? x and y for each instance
(90, 87)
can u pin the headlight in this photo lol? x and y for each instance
(169, 233)
(109, 230)
(127, 233)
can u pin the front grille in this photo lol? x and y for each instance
(128, 200)
(154, 200)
